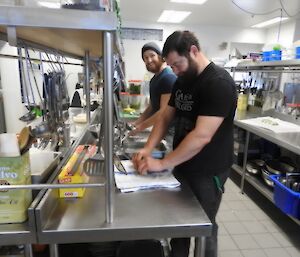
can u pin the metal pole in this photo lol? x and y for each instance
(245, 161)
(49, 186)
(199, 250)
(28, 250)
(108, 122)
(87, 86)
(53, 250)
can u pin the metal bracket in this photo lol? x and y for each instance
(11, 35)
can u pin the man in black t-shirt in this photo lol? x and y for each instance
(160, 86)
(203, 104)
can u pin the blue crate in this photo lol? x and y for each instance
(286, 199)
(266, 56)
(275, 55)
(298, 52)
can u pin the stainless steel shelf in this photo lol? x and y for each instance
(289, 141)
(272, 64)
(256, 183)
(259, 186)
(72, 32)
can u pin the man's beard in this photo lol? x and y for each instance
(155, 68)
(191, 73)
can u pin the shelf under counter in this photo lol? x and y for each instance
(256, 183)
(145, 214)
(259, 186)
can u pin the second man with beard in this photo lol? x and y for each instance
(160, 86)
(203, 104)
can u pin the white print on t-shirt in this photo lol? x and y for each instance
(183, 101)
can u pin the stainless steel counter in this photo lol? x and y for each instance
(289, 141)
(140, 215)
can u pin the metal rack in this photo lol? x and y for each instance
(75, 33)
(289, 141)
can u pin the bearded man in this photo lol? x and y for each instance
(160, 87)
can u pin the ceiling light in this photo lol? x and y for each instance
(269, 22)
(170, 16)
(49, 4)
(189, 1)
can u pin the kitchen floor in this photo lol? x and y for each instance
(251, 226)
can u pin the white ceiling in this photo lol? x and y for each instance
(213, 12)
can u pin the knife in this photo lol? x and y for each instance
(119, 165)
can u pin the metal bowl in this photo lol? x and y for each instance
(253, 168)
(265, 176)
(278, 168)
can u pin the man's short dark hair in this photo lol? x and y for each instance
(181, 42)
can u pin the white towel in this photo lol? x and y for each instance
(134, 181)
(273, 124)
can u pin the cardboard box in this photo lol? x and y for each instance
(14, 203)
(79, 176)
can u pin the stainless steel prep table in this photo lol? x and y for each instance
(289, 141)
(139, 215)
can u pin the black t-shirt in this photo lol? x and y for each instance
(212, 93)
(160, 84)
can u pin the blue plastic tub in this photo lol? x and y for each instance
(275, 55)
(298, 52)
(266, 55)
(286, 199)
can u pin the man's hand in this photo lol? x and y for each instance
(149, 164)
(135, 129)
(139, 156)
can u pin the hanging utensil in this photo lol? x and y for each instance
(29, 116)
(35, 81)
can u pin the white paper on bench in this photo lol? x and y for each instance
(133, 181)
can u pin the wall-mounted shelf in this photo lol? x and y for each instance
(72, 32)
(272, 65)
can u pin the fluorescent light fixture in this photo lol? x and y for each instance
(171, 16)
(269, 22)
(49, 4)
(189, 1)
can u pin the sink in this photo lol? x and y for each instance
(132, 146)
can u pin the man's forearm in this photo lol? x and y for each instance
(188, 148)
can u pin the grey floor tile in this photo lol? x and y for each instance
(226, 243)
(245, 242)
(236, 205)
(222, 230)
(254, 253)
(231, 253)
(276, 252)
(224, 206)
(271, 226)
(230, 196)
(245, 215)
(235, 228)
(254, 227)
(283, 239)
(260, 215)
(227, 216)
(250, 205)
(293, 251)
(266, 240)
